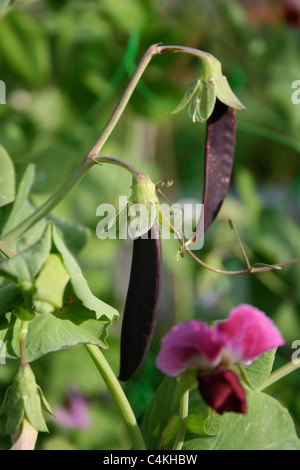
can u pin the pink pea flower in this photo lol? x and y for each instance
(221, 389)
(246, 334)
(76, 415)
(291, 12)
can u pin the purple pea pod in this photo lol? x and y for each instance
(210, 99)
(142, 302)
(219, 157)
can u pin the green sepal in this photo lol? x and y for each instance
(24, 398)
(187, 97)
(202, 94)
(5, 402)
(144, 196)
(44, 402)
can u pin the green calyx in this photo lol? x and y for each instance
(143, 205)
(143, 190)
(202, 94)
(24, 399)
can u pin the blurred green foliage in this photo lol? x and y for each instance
(65, 64)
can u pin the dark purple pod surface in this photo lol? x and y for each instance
(142, 302)
(219, 156)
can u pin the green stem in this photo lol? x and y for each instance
(52, 202)
(89, 159)
(115, 161)
(279, 374)
(118, 395)
(183, 414)
(22, 343)
(117, 113)
(5, 251)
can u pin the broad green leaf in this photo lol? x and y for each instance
(74, 236)
(54, 331)
(79, 283)
(23, 313)
(26, 265)
(197, 422)
(51, 282)
(7, 178)
(9, 296)
(259, 370)
(266, 426)
(163, 407)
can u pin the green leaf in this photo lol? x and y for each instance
(70, 326)
(75, 236)
(266, 426)
(79, 283)
(54, 331)
(163, 407)
(9, 296)
(51, 282)
(23, 313)
(28, 263)
(259, 370)
(7, 178)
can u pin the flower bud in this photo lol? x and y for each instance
(23, 401)
(202, 94)
(221, 390)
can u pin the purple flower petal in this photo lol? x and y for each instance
(76, 415)
(221, 390)
(190, 345)
(249, 333)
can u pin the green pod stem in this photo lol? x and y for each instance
(219, 157)
(142, 302)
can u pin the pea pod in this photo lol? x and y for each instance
(142, 302)
(219, 156)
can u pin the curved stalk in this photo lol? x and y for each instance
(118, 395)
(279, 374)
(183, 414)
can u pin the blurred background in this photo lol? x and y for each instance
(65, 64)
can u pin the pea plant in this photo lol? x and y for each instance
(212, 396)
